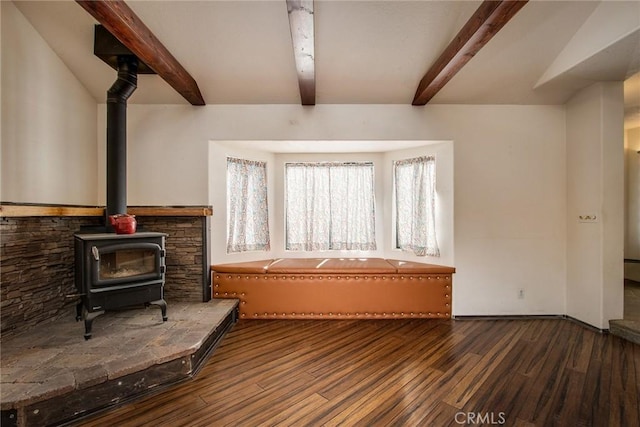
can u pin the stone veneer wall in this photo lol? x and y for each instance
(37, 270)
(37, 265)
(185, 278)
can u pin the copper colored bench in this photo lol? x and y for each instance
(335, 288)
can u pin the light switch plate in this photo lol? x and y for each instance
(588, 217)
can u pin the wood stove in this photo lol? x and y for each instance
(118, 270)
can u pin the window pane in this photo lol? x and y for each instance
(308, 206)
(415, 206)
(247, 212)
(330, 206)
(352, 208)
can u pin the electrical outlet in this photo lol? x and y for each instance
(520, 293)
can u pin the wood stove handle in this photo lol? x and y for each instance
(96, 253)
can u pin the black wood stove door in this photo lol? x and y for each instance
(126, 262)
(117, 271)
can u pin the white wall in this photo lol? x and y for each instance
(595, 187)
(1, 195)
(509, 180)
(509, 177)
(48, 121)
(613, 201)
(167, 155)
(632, 185)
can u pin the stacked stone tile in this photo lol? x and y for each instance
(184, 259)
(37, 270)
(37, 265)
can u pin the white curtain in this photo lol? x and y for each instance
(415, 189)
(247, 213)
(330, 206)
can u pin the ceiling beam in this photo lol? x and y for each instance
(125, 25)
(302, 35)
(485, 23)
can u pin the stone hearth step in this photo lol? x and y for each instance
(627, 329)
(51, 375)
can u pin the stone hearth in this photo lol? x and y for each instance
(51, 375)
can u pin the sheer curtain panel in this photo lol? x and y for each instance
(247, 212)
(330, 206)
(415, 189)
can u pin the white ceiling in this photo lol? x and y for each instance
(366, 52)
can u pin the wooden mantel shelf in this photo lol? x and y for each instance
(170, 210)
(49, 210)
(26, 210)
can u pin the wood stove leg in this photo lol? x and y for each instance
(79, 307)
(163, 306)
(88, 321)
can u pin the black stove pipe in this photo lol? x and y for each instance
(117, 97)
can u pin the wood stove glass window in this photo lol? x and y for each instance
(127, 263)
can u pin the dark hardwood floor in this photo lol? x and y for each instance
(403, 373)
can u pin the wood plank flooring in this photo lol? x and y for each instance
(403, 373)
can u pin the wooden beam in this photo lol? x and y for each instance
(125, 25)
(485, 23)
(302, 35)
